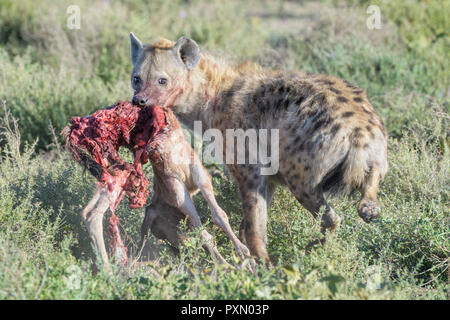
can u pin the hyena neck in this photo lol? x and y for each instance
(195, 106)
(207, 82)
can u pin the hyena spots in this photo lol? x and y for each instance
(335, 90)
(348, 114)
(342, 99)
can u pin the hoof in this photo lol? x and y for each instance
(368, 211)
(249, 265)
(242, 251)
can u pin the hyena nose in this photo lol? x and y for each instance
(139, 101)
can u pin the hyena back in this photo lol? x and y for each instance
(331, 140)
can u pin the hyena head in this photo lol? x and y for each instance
(161, 71)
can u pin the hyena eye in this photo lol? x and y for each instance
(162, 81)
(136, 80)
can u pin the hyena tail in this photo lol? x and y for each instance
(352, 171)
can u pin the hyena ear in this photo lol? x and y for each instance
(187, 51)
(136, 45)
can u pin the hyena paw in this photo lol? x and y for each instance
(313, 243)
(330, 221)
(368, 211)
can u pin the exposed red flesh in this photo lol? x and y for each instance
(116, 244)
(101, 135)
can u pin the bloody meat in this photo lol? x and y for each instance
(94, 141)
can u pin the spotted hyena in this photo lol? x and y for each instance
(331, 141)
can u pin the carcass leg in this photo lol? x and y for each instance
(117, 246)
(93, 219)
(182, 201)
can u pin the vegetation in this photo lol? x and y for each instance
(49, 73)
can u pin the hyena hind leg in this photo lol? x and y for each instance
(314, 201)
(330, 220)
(368, 207)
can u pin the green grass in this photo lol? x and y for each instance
(50, 73)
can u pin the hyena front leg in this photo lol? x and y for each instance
(269, 196)
(254, 194)
(218, 216)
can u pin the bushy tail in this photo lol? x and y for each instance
(351, 172)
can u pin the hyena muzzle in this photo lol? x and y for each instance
(331, 140)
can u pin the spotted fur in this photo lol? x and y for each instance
(331, 139)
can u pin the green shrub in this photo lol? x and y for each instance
(49, 73)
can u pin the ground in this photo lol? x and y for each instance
(50, 73)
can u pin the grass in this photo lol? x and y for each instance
(50, 73)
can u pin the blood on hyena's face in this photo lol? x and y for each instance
(160, 70)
